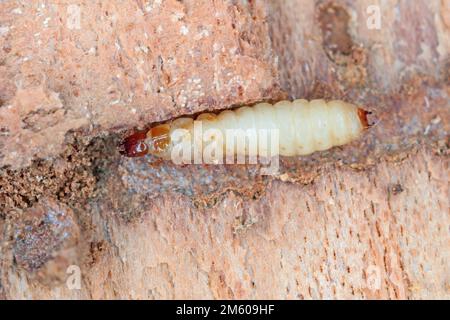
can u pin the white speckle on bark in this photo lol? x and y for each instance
(177, 16)
(4, 31)
(201, 34)
(17, 11)
(46, 21)
(184, 30)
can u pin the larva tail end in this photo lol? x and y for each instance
(362, 114)
(134, 145)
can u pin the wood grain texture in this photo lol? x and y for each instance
(381, 233)
(370, 220)
(109, 65)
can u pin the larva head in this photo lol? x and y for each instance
(135, 145)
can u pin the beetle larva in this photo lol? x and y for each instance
(303, 128)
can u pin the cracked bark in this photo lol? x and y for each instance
(369, 220)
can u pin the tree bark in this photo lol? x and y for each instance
(367, 220)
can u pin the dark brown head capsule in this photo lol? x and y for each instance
(134, 145)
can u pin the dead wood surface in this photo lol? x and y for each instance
(369, 220)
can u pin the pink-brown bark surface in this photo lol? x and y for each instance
(367, 220)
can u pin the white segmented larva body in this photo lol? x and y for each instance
(304, 127)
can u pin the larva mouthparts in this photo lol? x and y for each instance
(134, 145)
(303, 127)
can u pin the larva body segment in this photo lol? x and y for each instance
(303, 128)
